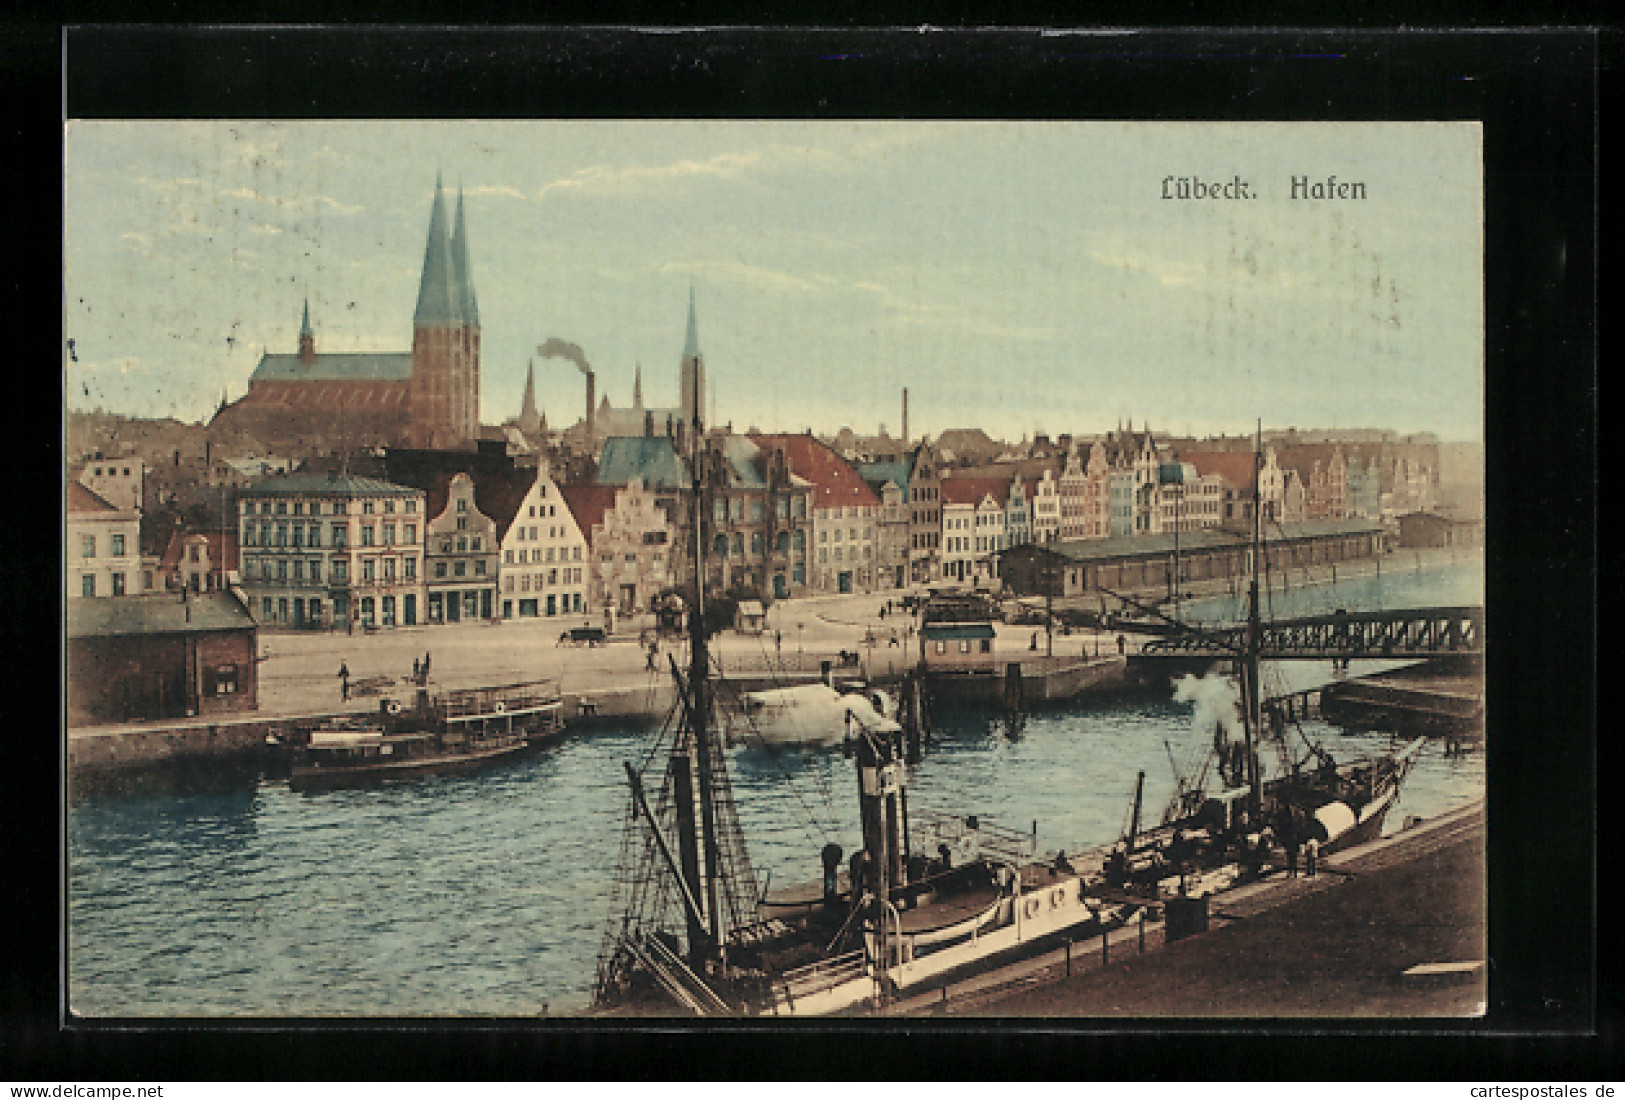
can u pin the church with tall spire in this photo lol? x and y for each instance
(312, 401)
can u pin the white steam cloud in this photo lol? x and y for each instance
(1217, 700)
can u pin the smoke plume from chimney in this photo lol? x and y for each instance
(563, 349)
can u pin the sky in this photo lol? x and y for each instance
(1019, 277)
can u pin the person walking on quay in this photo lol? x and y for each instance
(1311, 857)
(654, 652)
(1122, 644)
(417, 667)
(344, 681)
(778, 643)
(425, 666)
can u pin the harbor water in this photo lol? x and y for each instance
(485, 894)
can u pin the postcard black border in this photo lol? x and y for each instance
(1536, 92)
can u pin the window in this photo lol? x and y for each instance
(474, 544)
(368, 569)
(409, 534)
(118, 546)
(299, 570)
(462, 523)
(366, 508)
(389, 569)
(389, 507)
(225, 679)
(281, 507)
(367, 536)
(411, 507)
(298, 507)
(250, 531)
(341, 536)
(389, 534)
(316, 570)
(281, 570)
(439, 569)
(315, 534)
(479, 567)
(411, 569)
(267, 609)
(341, 570)
(462, 504)
(507, 557)
(339, 507)
(462, 545)
(298, 539)
(282, 534)
(87, 546)
(459, 569)
(118, 584)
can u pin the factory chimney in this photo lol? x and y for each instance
(905, 418)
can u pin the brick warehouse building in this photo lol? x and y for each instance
(166, 655)
(309, 401)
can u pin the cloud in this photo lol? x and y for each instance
(603, 177)
(248, 194)
(497, 189)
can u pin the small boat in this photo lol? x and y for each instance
(452, 731)
(816, 714)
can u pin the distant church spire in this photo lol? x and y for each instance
(637, 388)
(436, 306)
(529, 422)
(691, 379)
(307, 338)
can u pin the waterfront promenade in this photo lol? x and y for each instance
(298, 671)
(1394, 927)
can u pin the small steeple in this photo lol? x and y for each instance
(307, 338)
(435, 304)
(529, 423)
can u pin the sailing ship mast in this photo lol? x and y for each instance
(1251, 686)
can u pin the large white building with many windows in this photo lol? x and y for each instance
(328, 550)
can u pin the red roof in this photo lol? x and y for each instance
(1236, 467)
(971, 490)
(836, 482)
(588, 503)
(176, 550)
(81, 499)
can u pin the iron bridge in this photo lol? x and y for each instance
(1411, 632)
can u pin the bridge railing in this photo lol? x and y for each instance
(1401, 633)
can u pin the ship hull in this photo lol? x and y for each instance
(316, 777)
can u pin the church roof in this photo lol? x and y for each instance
(653, 459)
(342, 366)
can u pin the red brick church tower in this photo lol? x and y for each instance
(444, 396)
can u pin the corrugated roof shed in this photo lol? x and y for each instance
(164, 613)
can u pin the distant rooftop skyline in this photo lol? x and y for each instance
(1017, 277)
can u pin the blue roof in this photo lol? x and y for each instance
(652, 459)
(346, 366)
(894, 472)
